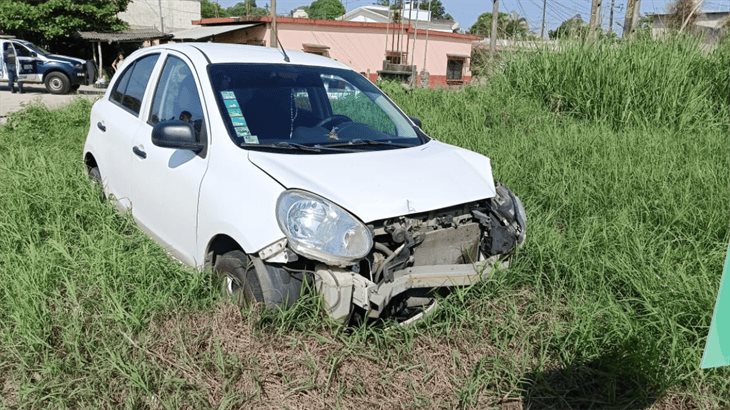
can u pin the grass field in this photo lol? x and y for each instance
(620, 153)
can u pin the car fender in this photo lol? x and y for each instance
(236, 199)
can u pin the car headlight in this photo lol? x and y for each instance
(319, 229)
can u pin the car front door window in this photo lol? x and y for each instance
(176, 97)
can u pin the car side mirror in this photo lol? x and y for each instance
(416, 121)
(176, 134)
(33, 54)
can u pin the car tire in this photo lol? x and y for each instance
(248, 281)
(57, 83)
(95, 175)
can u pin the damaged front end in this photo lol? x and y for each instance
(395, 266)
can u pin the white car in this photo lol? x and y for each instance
(236, 158)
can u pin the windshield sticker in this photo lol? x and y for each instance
(238, 122)
(231, 104)
(228, 95)
(246, 134)
(235, 112)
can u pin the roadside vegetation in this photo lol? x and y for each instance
(620, 152)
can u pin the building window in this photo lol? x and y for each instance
(455, 69)
(318, 49)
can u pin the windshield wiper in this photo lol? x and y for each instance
(360, 142)
(295, 146)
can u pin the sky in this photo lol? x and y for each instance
(466, 11)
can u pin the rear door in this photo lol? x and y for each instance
(165, 181)
(115, 122)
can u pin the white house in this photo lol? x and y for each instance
(164, 15)
(383, 14)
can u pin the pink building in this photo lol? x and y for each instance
(374, 49)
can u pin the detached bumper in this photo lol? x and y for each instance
(341, 288)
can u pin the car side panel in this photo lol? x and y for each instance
(237, 199)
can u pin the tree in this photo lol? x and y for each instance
(326, 9)
(438, 11)
(682, 11)
(47, 21)
(210, 9)
(246, 8)
(511, 26)
(572, 27)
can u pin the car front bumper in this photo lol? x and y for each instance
(342, 289)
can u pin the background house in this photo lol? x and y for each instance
(383, 14)
(378, 50)
(711, 25)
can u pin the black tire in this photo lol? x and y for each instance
(95, 175)
(249, 281)
(57, 83)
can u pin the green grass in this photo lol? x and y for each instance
(608, 304)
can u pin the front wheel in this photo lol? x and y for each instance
(57, 83)
(248, 281)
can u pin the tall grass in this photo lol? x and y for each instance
(627, 190)
(667, 83)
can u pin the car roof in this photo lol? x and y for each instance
(221, 53)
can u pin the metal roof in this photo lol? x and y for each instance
(200, 33)
(126, 35)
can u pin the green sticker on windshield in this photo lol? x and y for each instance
(228, 95)
(238, 121)
(231, 104)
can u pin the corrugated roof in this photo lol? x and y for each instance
(126, 35)
(199, 33)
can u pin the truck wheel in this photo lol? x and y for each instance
(248, 280)
(57, 83)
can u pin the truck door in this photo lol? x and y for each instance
(26, 63)
(3, 71)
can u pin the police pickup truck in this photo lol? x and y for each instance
(60, 74)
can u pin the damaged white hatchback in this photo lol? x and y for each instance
(273, 168)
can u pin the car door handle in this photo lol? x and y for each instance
(138, 152)
(100, 125)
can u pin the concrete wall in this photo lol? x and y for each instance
(176, 14)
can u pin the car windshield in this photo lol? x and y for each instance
(308, 109)
(38, 50)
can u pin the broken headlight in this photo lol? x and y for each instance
(319, 229)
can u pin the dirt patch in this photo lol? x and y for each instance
(221, 353)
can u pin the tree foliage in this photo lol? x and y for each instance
(326, 9)
(572, 27)
(51, 20)
(210, 9)
(512, 26)
(681, 12)
(438, 11)
(247, 8)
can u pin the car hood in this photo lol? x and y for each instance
(375, 185)
(65, 59)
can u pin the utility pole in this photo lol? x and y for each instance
(542, 26)
(610, 18)
(162, 21)
(595, 17)
(632, 17)
(493, 34)
(274, 34)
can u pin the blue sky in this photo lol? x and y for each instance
(467, 11)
